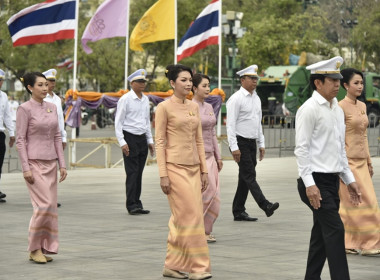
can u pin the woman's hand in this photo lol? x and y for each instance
(204, 181)
(28, 176)
(165, 184)
(63, 174)
(220, 164)
(370, 168)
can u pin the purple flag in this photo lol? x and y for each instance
(109, 20)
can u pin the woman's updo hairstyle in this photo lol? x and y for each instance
(347, 74)
(197, 79)
(29, 79)
(173, 70)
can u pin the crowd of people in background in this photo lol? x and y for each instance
(332, 154)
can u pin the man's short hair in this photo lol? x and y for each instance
(314, 77)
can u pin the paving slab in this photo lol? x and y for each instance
(99, 240)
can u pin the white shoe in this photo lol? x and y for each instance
(173, 273)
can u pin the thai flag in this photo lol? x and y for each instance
(204, 31)
(65, 63)
(45, 22)
(71, 65)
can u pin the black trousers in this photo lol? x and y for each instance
(327, 234)
(247, 177)
(134, 166)
(2, 150)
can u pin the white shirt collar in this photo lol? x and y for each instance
(321, 100)
(246, 92)
(134, 95)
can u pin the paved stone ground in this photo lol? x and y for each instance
(99, 240)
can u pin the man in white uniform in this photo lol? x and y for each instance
(244, 131)
(5, 122)
(13, 105)
(55, 99)
(132, 129)
(322, 161)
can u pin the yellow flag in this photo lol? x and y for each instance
(157, 24)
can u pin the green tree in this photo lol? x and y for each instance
(270, 39)
(365, 37)
(275, 28)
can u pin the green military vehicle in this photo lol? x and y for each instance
(298, 90)
(272, 85)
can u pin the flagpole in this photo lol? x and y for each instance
(219, 126)
(126, 50)
(175, 31)
(74, 130)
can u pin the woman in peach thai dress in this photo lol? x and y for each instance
(210, 197)
(362, 223)
(183, 178)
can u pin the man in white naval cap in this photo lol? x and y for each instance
(321, 159)
(132, 129)
(5, 122)
(55, 99)
(244, 133)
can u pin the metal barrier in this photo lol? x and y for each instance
(279, 132)
(105, 143)
(279, 136)
(8, 161)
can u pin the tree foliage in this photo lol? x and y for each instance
(275, 29)
(365, 37)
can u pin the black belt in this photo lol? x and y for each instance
(325, 174)
(136, 135)
(245, 139)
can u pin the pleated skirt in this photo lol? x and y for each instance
(361, 223)
(187, 248)
(43, 226)
(211, 197)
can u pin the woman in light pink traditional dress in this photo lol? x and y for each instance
(362, 223)
(39, 145)
(210, 197)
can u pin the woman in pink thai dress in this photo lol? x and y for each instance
(210, 197)
(39, 146)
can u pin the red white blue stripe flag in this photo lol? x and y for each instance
(204, 31)
(44, 22)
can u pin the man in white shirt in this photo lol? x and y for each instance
(5, 122)
(13, 105)
(321, 159)
(243, 131)
(132, 129)
(55, 99)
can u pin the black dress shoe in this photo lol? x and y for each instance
(271, 207)
(135, 211)
(58, 204)
(2, 195)
(2, 200)
(244, 217)
(143, 211)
